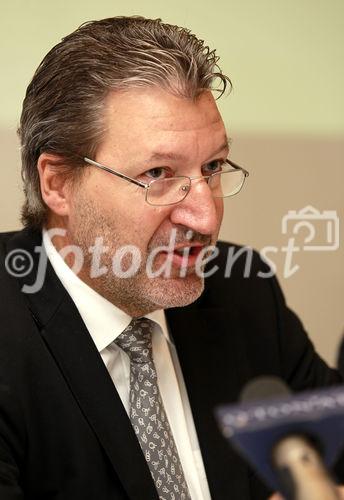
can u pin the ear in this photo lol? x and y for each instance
(55, 188)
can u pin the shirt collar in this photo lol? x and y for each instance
(103, 320)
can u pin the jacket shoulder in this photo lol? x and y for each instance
(237, 274)
(15, 316)
(5, 237)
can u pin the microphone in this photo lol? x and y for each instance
(289, 439)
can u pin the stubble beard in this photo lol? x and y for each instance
(136, 295)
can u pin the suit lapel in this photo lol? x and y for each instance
(75, 354)
(212, 367)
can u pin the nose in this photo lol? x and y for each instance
(199, 211)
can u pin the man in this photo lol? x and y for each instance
(112, 358)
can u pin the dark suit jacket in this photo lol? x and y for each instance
(64, 433)
(340, 357)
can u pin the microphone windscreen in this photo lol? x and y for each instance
(262, 388)
(254, 427)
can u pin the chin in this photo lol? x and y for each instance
(176, 292)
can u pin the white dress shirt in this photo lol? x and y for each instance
(105, 322)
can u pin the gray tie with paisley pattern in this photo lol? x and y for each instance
(147, 413)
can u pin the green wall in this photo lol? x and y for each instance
(285, 57)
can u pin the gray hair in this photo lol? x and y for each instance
(64, 105)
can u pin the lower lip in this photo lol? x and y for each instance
(187, 260)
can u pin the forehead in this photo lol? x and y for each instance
(140, 120)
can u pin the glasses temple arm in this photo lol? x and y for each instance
(119, 174)
(237, 167)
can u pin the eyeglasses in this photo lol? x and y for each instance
(225, 182)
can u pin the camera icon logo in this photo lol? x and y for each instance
(320, 230)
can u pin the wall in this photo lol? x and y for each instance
(285, 116)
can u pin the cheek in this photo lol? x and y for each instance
(219, 210)
(161, 226)
(147, 222)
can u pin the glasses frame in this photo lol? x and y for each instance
(146, 186)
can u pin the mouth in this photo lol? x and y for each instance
(189, 250)
(185, 256)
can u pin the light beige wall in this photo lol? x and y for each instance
(285, 115)
(289, 173)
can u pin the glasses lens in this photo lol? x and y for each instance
(226, 184)
(168, 191)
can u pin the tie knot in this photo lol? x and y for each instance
(136, 340)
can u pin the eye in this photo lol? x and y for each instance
(157, 173)
(212, 167)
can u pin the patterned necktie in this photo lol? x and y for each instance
(147, 413)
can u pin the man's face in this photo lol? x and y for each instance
(150, 134)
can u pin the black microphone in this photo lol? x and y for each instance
(288, 438)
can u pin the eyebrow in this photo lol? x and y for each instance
(166, 155)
